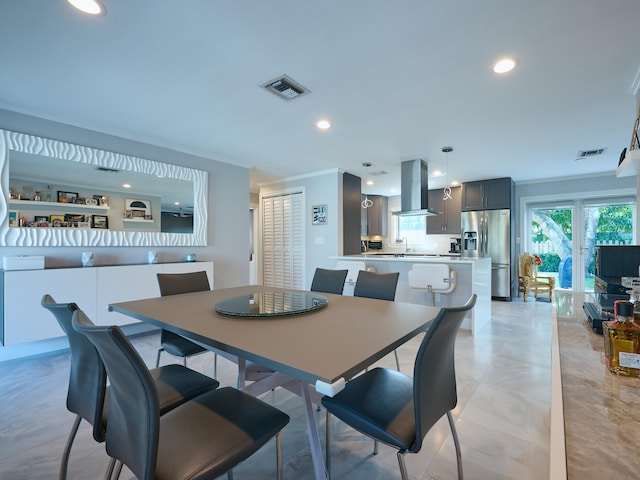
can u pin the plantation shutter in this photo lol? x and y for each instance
(283, 241)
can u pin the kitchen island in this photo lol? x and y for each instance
(473, 276)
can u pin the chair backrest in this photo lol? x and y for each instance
(328, 281)
(87, 376)
(434, 375)
(177, 283)
(436, 275)
(376, 285)
(134, 418)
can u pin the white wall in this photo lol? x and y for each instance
(228, 205)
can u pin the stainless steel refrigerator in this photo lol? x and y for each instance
(488, 233)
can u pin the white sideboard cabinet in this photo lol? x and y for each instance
(92, 288)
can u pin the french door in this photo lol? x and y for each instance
(564, 234)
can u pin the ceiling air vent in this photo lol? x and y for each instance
(582, 154)
(379, 172)
(107, 169)
(285, 88)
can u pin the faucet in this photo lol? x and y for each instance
(406, 245)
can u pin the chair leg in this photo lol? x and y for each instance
(230, 475)
(118, 471)
(456, 442)
(67, 449)
(395, 352)
(328, 444)
(109, 473)
(403, 466)
(160, 350)
(375, 447)
(184, 361)
(279, 454)
(215, 365)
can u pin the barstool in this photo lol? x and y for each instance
(352, 275)
(432, 278)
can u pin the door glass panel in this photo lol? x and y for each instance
(604, 224)
(552, 241)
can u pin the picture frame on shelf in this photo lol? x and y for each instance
(73, 218)
(80, 201)
(92, 202)
(100, 221)
(41, 218)
(84, 224)
(102, 200)
(14, 216)
(67, 197)
(138, 205)
(319, 215)
(56, 220)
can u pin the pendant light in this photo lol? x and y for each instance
(366, 203)
(447, 189)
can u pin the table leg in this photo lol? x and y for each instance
(312, 432)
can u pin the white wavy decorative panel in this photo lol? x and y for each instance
(71, 237)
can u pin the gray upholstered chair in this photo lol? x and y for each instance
(88, 390)
(378, 285)
(398, 410)
(201, 439)
(172, 343)
(328, 281)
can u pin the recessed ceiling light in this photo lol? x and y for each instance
(369, 182)
(455, 183)
(504, 65)
(126, 185)
(323, 124)
(437, 173)
(92, 7)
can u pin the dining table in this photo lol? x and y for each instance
(313, 342)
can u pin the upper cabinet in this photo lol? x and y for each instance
(373, 220)
(61, 194)
(450, 219)
(494, 194)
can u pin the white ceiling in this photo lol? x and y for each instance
(399, 80)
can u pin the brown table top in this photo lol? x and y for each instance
(336, 341)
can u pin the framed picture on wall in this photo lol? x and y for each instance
(319, 215)
(99, 221)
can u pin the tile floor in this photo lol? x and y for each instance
(502, 415)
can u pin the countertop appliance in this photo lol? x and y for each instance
(488, 233)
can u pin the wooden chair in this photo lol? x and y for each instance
(530, 281)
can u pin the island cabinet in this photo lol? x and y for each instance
(494, 194)
(373, 220)
(91, 288)
(450, 219)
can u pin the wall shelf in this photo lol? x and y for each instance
(30, 204)
(133, 220)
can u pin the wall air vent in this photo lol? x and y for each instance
(285, 88)
(583, 154)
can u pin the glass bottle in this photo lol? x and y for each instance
(48, 198)
(622, 342)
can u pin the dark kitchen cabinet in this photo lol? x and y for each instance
(373, 220)
(494, 194)
(449, 220)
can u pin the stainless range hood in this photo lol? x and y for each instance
(414, 194)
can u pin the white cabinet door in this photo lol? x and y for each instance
(24, 319)
(123, 284)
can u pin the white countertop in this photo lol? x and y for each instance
(410, 257)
